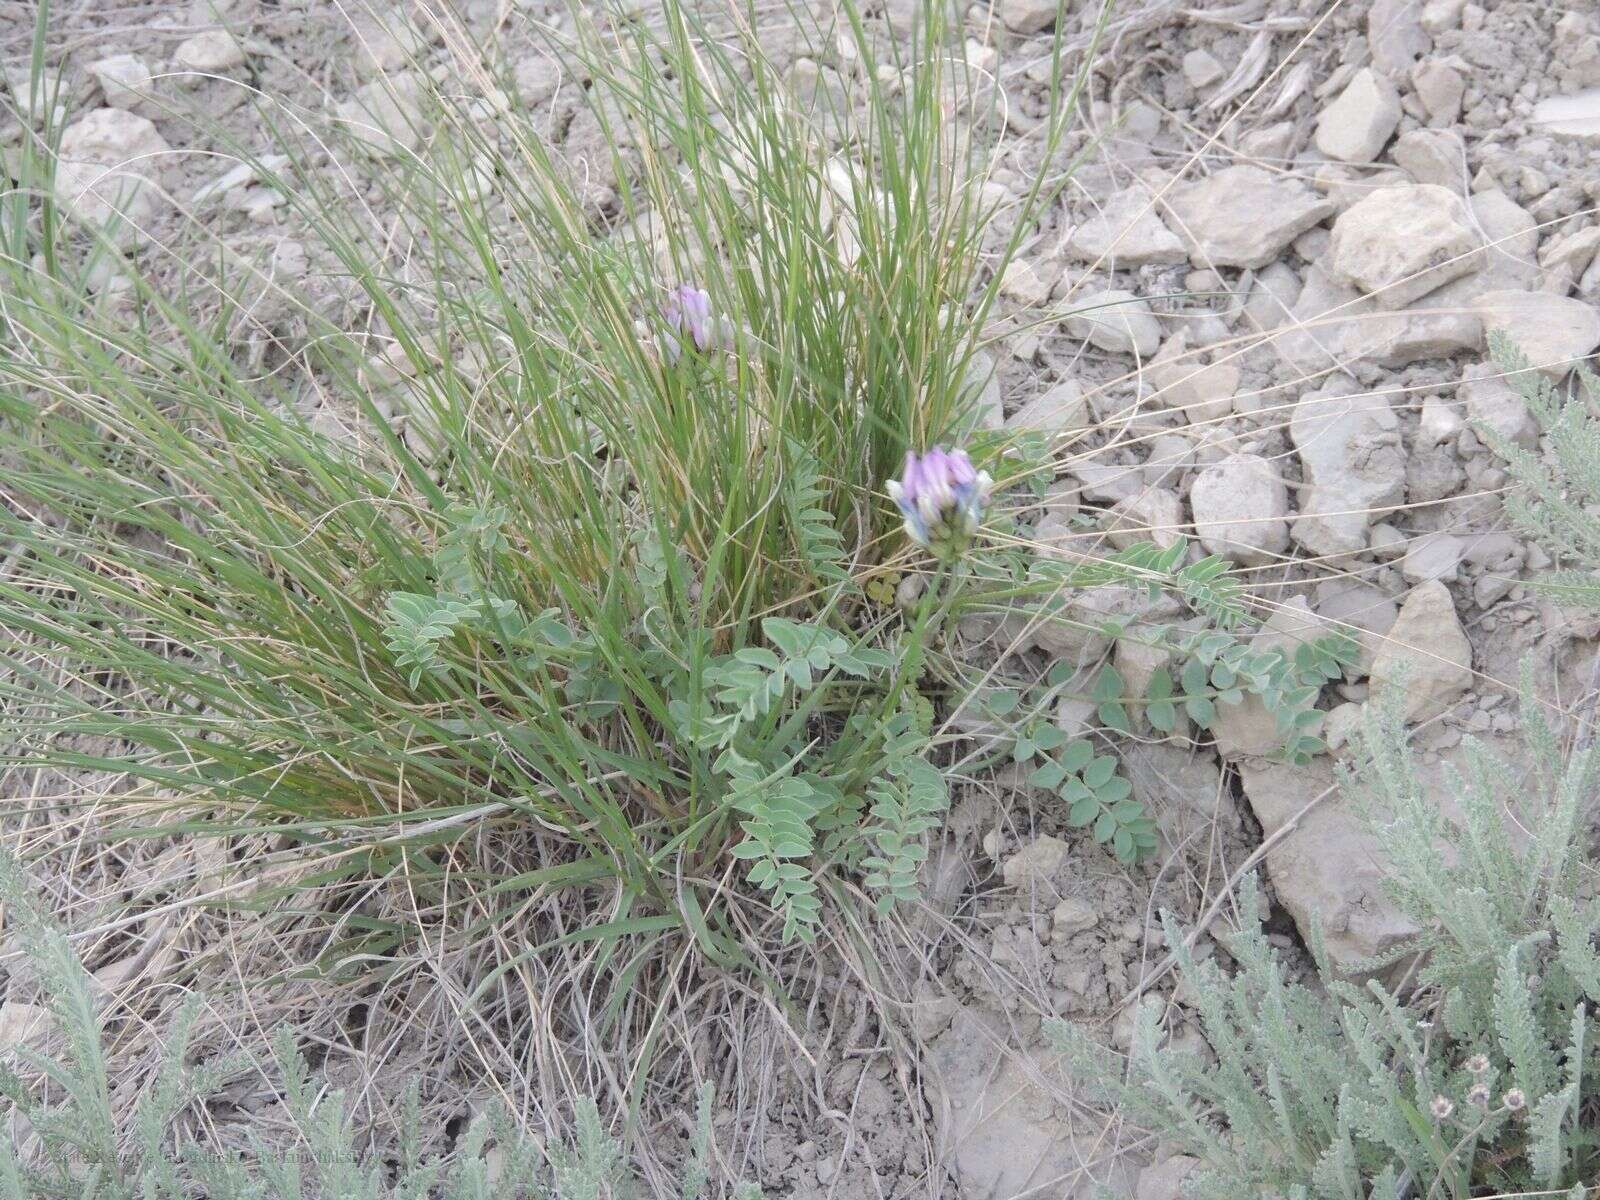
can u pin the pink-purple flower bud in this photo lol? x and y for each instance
(688, 314)
(942, 498)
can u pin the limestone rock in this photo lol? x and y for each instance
(1149, 515)
(1441, 422)
(996, 1114)
(1401, 243)
(126, 82)
(1243, 216)
(1395, 34)
(1137, 661)
(1440, 15)
(1571, 253)
(1118, 321)
(385, 116)
(1356, 127)
(1491, 400)
(1440, 87)
(1126, 231)
(1105, 482)
(1201, 392)
(1553, 331)
(1078, 635)
(1332, 324)
(1433, 473)
(1035, 865)
(1426, 654)
(537, 76)
(1062, 409)
(1359, 609)
(214, 52)
(1512, 233)
(1329, 868)
(107, 169)
(1247, 729)
(1073, 915)
(1201, 69)
(1576, 117)
(1240, 505)
(1353, 464)
(1023, 283)
(1435, 156)
(1432, 556)
(1028, 16)
(982, 387)
(1272, 296)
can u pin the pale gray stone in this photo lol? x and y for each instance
(1352, 462)
(1440, 87)
(126, 81)
(1426, 656)
(107, 170)
(214, 52)
(1329, 869)
(1243, 216)
(1553, 331)
(1356, 127)
(1240, 509)
(1127, 231)
(1399, 244)
(1062, 409)
(1118, 321)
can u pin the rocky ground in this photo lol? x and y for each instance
(1300, 221)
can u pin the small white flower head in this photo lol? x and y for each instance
(1441, 1108)
(1478, 1064)
(1514, 1100)
(1478, 1095)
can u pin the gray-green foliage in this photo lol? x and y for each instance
(1346, 1090)
(1557, 491)
(72, 1150)
(1205, 668)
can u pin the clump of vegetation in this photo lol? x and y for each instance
(72, 1149)
(594, 567)
(597, 564)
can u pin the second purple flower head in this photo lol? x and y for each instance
(689, 315)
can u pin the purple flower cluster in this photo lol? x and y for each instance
(942, 498)
(688, 314)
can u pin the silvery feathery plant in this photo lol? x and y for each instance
(1558, 485)
(61, 1140)
(1477, 1074)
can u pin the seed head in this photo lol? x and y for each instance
(1441, 1108)
(1478, 1094)
(1514, 1100)
(1478, 1064)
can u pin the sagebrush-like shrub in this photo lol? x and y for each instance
(1481, 1077)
